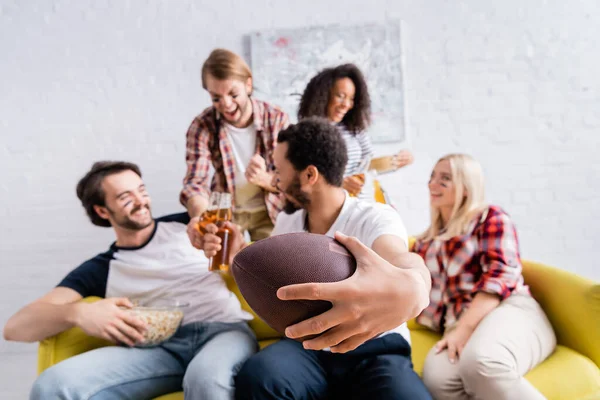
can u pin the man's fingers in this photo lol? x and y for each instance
(334, 335)
(193, 225)
(316, 325)
(211, 239)
(351, 343)
(233, 227)
(210, 254)
(353, 245)
(123, 302)
(211, 228)
(211, 249)
(118, 337)
(198, 243)
(256, 161)
(312, 291)
(134, 321)
(131, 333)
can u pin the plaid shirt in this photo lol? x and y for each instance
(486, 259)
(202, 150)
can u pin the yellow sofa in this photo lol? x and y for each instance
(572, 304)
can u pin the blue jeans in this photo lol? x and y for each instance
(379, 369)
(202, 358)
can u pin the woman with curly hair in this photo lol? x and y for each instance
(340, 94)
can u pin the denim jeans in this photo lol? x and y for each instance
(202, 358)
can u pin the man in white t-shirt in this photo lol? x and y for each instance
(363, 345)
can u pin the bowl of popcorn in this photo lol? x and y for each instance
(162, 318)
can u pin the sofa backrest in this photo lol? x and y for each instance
(572, 304)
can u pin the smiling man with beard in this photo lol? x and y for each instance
(151, 259)
(236, 135)
(362, 348)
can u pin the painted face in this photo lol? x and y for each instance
(442, 190)
(230, 97)
(287, 180)
(341, 99)
(127, 201)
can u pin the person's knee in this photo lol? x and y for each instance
(50, 384)
(206, 382)
(485, 369)
(253, 376)
(209, 378)
(257, 379)
(44, 387)
(435, 383)
(438, 374)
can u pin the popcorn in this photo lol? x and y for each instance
(160, 324)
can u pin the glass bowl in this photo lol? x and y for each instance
(162, 317)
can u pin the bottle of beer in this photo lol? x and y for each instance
(222, 214)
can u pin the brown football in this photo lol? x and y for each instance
(263, 267)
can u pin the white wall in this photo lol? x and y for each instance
(513, 83)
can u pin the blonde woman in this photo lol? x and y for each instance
(494, 331)
(236, 136)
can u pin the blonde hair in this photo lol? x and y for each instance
(467, 176)
(224, 64)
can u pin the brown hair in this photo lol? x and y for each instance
(89, 188)
(223, 64)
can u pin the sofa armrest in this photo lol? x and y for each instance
(67, 344)
(572, 304)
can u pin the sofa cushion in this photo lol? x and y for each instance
(171, 396)
(566, 374)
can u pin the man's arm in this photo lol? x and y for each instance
(257, 174)
(394, 250)
(60, 310)
(195, 192)
(196, 206)
(387, 289)
(45, 317)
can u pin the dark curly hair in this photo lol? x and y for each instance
(314, 141)
(316, 96)
(89, 188)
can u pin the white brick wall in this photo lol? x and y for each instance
(513, 83)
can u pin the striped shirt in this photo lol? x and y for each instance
(360, 152)
(485, 259)
(202, 150)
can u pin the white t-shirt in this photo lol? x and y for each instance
(166, 266)
(364, 220)
(248, 197)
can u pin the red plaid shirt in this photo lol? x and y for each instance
(486, 259)
(202, 150)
